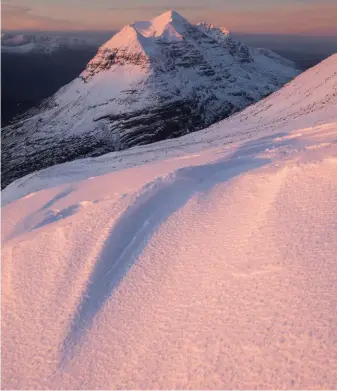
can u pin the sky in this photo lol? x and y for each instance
(293, 17)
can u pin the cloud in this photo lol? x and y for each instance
(9, 9)
(18, 17)
(305, 17)
(308, 19)
(159, 8)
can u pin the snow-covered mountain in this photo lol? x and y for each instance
(203, 262)
(151, 81)
(43, 44)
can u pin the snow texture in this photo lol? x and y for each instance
(207, 261)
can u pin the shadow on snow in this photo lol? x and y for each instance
(139, 222)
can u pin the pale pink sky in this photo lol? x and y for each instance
(305, 17)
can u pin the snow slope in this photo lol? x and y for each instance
(207, 261)
(151, 81)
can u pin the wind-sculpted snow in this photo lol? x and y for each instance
(151, 81)
(130, 234)
(205, 262)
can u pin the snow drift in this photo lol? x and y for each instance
(207, 261)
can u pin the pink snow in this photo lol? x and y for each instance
(203, 262)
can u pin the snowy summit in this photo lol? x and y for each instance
(152, 81)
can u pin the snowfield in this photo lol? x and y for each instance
(207, 261)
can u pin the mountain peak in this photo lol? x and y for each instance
(169, 26)
(127, 39)
(218, 33)
(139, 36)
(153, 80)
(170, 16)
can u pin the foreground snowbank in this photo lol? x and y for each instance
(203, 262)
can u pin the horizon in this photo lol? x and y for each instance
(317, 44)
(114, 31)
(311, 18)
